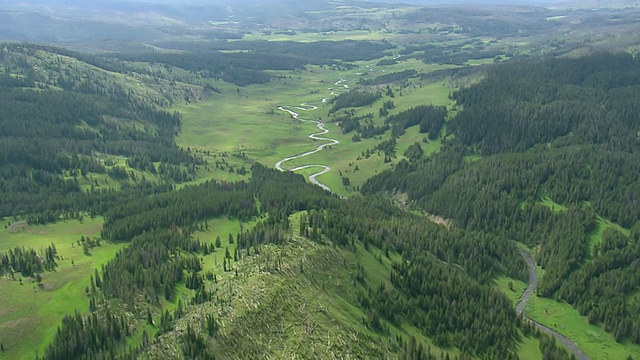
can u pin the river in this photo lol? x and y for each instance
(526, 296)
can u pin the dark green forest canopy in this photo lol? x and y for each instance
(61, 126)
(564, 129)
(559, 129)
(161, 253)
(521, 104)
(249, 59)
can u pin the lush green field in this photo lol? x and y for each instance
(221, 227)
(246, 122)
(31, 313)
(513, 291)
(249, 121)
(554, 206)
(529, 349)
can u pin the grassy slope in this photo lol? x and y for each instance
(318, 318)
(30, 314)
(595, 237)
(529, 347)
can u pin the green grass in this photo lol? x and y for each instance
(595, 237)
(529, 349)
(343, 157)
(514, 292)
(554, 206)
(30, 314)
(560, 316)
(593, 340)
(468, 159)
(248, 122)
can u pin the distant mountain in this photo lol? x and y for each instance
(600, 4)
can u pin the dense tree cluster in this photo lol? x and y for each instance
(354, 98)
(88, 337)
(562, 130)
(604, 288)
(152, 265)
(247, 61)
(159, 257)
(414, 152)
(551, 350)
(595, 98)
(27, 261)
(430, 119)
(434, 257)
(185, 207)
(460, 317)
(450, 54)
(49, 139)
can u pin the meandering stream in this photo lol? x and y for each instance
(526, 296)
(314, 136)
(533, 276)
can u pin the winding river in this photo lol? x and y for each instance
(533, 276)
(314, 136)
(526, 296)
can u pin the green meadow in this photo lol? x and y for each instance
(592, 339)
(554, 206)
(511, 287)
(244, 124)
(595, 237)
(31, 310)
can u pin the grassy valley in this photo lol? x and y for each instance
(141, 215)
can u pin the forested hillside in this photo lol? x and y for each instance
(68, 126)
(456, 307)
(540, 153)
(143, 218)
